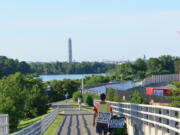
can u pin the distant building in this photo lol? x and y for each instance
(69, 50)
(145, 58)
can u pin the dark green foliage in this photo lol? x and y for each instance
(125, 71)
(175, 95)
(76, 95)
(59, 89)
(10, 66)
(110, 94)
(12, 98)
(89, 99)
(95, 80)
(116, 97)
(71, 68)
(1, 74)
(177, 84)
(22, 96)
(138, 89)
(137, 99)
(36, 102)
(141, 69)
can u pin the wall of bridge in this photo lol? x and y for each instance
(156, 79)
(140, 128)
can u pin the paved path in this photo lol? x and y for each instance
(76, 122)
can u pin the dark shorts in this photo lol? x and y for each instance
(100, 128)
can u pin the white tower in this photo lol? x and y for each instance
(69, 50)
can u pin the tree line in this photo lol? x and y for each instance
(71, 68)
(10, 66)
(141, 68)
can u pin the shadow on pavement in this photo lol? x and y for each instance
(85, 124)
(69, 126)
(77, 125)
(62, 125)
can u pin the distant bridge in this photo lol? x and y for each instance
(156, 79)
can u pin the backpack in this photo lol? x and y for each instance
(117, 126)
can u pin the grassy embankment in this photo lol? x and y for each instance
(53, 129)
(27, 122)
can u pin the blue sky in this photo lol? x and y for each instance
(38, 30)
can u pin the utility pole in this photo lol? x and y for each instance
(82, 85)
(179, 72)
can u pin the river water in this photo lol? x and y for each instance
(67, 76)
(118, 86)
(100, 89)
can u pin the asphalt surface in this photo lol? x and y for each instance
(76, 122)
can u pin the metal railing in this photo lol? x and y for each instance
(40, 126)
(162, 118)
(4, 124)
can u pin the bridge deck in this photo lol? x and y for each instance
(76, 122)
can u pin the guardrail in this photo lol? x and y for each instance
(4, 124)
(166, 119)
(40, 126)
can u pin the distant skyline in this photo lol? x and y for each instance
(100, 30)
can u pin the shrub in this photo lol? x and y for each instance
(110, 94)
(89, 99)
(76, 95)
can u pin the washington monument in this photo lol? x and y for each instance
(69, 50)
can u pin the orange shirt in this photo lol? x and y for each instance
(96, 110)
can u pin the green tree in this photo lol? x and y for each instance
(136, 98)
(22, 96)
(12, 97)
(140, 68)
(167, 63)
(176, 64)
(94, 80)
(110, 94)
(36, 102)
(59, 89)
(125, 71)
(1, 74)
(153, 66)
(116, 96)
(175, 95)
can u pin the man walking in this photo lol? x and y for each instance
(102, 108)
(66, 96)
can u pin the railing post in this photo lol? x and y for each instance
(157, 120)
(150, 118)
(164, 121)
(179, 122)
(172, 123)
